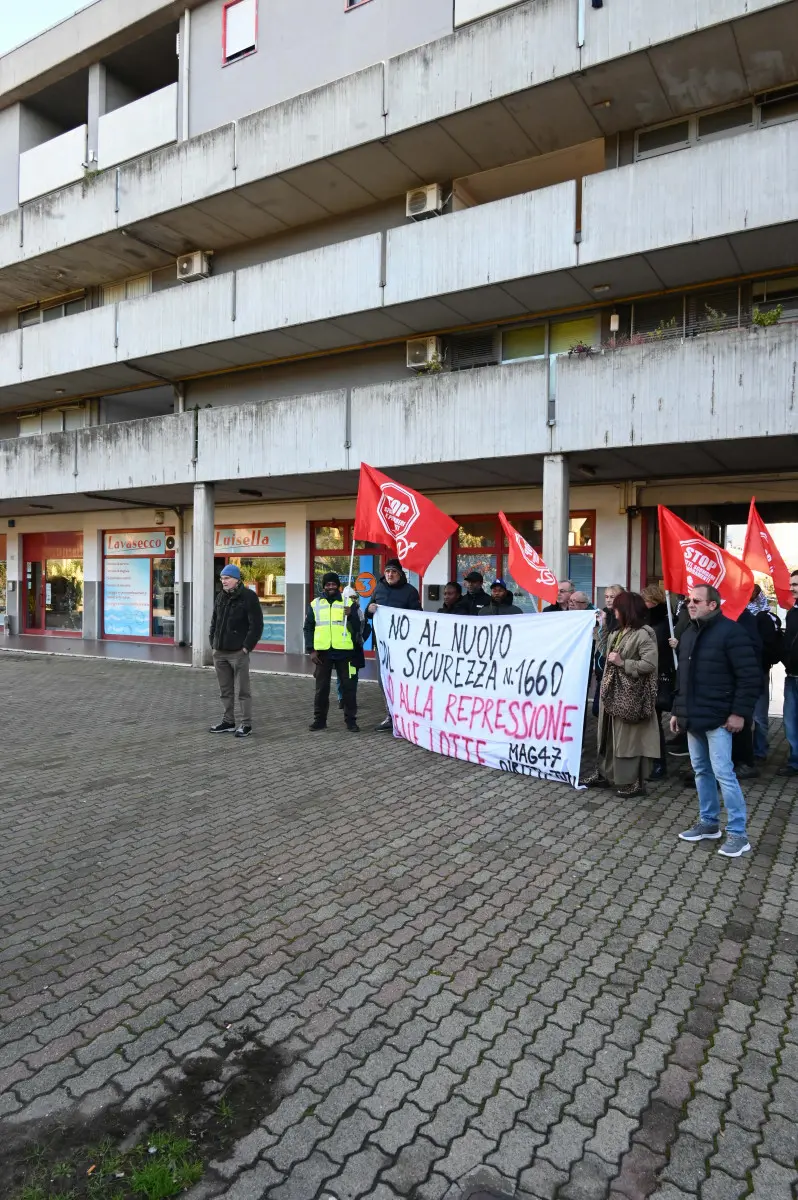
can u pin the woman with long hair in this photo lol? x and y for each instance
(628, 726)
(607, 626)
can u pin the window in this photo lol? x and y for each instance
(353, 4)
(565, 334)
(128, 289)
(768, 109)
(519, 345)
(481, 544)
(52, 310)
(728, 120)
(239, 29)
(52, 420)
(663, 139)
(770, 293)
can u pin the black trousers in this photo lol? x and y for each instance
(323, 675)
(743, 747)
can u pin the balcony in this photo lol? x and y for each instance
(719, 403)
(136, 128)
(52, 165)
(499, 90)
(732, 203)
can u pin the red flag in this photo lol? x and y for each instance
(760, 554)
(690, 560)
(527, 567)
(395, 516)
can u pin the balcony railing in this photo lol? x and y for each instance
(53, 164)
(134, 129)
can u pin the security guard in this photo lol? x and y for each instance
(332, 639)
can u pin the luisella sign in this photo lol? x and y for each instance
(252, 539)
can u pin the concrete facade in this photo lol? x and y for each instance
(590, 342)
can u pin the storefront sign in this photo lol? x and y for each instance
(501, 692)
(156, 542)
(253, 539)
(126, 597)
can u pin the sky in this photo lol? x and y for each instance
(23, 21)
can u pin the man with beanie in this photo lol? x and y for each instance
(236, 626)
(393, 591)
(333, 638)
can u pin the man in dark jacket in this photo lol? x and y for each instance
(501, 602)
(333, 639)
(455, 603)
(565, 590)
(236, 626)
(719, 681)
(393, 591)
(476, 592)
(767, 626)
(790, 659)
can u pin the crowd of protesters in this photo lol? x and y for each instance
(707, 675)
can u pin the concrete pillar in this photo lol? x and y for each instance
(297, 559)
(97, 109)
(14, 577)
(202, 574)
(556, 501)
(92, 583)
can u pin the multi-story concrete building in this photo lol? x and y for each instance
(539, 256)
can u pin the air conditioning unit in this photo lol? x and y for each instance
(196, 265)
(421, 352)
(424, 201)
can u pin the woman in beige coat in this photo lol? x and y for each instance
(626, 749)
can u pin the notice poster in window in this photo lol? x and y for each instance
(126, 597)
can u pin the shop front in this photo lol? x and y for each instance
(259, 552)
(481, 545)
(53, 583)
(139, 585)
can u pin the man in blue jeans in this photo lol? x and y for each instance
(719, 680)
(790, 658)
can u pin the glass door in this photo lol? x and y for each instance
(63, 595)
(34, 597)
(163, 597)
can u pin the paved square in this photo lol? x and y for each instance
(451, 968)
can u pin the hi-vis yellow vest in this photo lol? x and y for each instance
(331, 632)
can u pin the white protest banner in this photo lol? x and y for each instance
(502, 692)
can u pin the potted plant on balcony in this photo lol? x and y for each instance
(580, 350)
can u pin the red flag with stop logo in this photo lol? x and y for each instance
(760, 554)
(390, 514)
(527, 567)
(690, 560)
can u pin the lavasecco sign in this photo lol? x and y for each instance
(501, 692)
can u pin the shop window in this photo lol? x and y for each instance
(482, 546)
(519, 345)
(139, 584)
(259, 553)
(239, 29)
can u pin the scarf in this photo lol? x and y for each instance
(760, 605)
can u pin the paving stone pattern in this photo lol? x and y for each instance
(462, 969)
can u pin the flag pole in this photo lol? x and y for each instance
(670, 624)
(352, 563)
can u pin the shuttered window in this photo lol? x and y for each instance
(239, 29)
